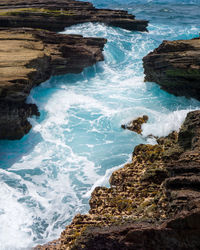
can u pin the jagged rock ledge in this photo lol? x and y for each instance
(175, 66)
(29, 57)
(55, 15)
(153, 202)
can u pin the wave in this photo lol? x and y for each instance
(77, 142)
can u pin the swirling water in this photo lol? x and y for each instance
(47, 177)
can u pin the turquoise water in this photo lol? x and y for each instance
(48, 176)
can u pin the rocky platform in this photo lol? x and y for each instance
(29, 57)
(55, 15)
(175, 66)
(153, 202)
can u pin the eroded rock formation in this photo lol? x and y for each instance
(55, 15)
(29, 57)
(153, 202)
(175, 66)
(136, 124)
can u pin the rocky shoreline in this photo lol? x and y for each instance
(153, 202)
(30, 55)
(57, 14)
(175, 66)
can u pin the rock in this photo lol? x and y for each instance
(13, 123)
(55, 15)
(175, 66)
(153, 202)
(29, 57)
(136, 125)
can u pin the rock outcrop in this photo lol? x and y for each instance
(136, 124)
(175, 66)
(55, 15)
(29, 57)
(153, 202)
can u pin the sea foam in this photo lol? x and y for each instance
(75, 145)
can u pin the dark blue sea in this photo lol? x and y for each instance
(48, 176)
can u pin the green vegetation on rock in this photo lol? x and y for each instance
(189, 73)
(28, 11)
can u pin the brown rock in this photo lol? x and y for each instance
(29, 57)
(136, 125)
(175, 66)
(55, 15)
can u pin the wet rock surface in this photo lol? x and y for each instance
(153, 202)
(55, 15)
(136, 124)
(29, 57)
(175, 66)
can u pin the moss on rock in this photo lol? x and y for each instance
(29, 11)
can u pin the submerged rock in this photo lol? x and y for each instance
(55, 15)
(136, 125)
(29, 57)
(153, 202)
(175, 66)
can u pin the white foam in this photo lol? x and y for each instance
(102, 181)
(163, 124)
(15, 231)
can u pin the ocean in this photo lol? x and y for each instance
(47, 177)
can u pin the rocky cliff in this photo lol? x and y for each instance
(153, 202)
(175, 66)
(55, 15)
(29, 57)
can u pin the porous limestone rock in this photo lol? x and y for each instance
(153, 202)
